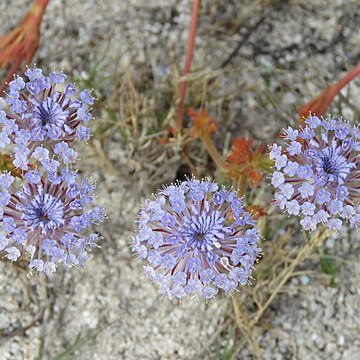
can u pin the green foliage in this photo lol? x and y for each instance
(69, 353)
(329, 265)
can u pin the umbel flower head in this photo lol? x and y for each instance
(46, 222)
(317, 173)
(40, 120)
(198, 239)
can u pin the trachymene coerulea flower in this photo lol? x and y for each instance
(317, 173)
(45, 222)
(41, 117)
(198, 239)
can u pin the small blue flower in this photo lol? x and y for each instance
(320, 178)
(275, 151)
(294, 148)
(197, 239)
(306, 190)
(287, 190)
(38, 219)
(291, 134)
(57, 78)
(293, 207)
(277, 179)
(41, 115)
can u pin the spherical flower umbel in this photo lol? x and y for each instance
(198, 239)
(41, 117)
(317, 174)
(45, 222)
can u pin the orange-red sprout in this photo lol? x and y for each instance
(244, 161)
(18, 47)
(203, 123)
(319, 105)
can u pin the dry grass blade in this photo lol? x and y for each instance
(269, 287)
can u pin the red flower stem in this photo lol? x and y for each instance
(348, 77)
(179, 114)
(38, 10)
(319, 104)
(32, 20)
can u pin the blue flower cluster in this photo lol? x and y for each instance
(317, 173)
(197, 239)
(45, 213)
(39, 120)
(45, 221)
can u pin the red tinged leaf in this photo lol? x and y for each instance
(244, 161)
(18, 47)
(319, 105)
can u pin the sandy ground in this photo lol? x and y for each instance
(297, 48)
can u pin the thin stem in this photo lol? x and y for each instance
(179, 115)
(213, 152)
(247, 332)
(241, 185)
(287, 272)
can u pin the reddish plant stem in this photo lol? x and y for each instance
(349, 76)
(38, 9)
(26, 31)
(179, 115)
(320, 104)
